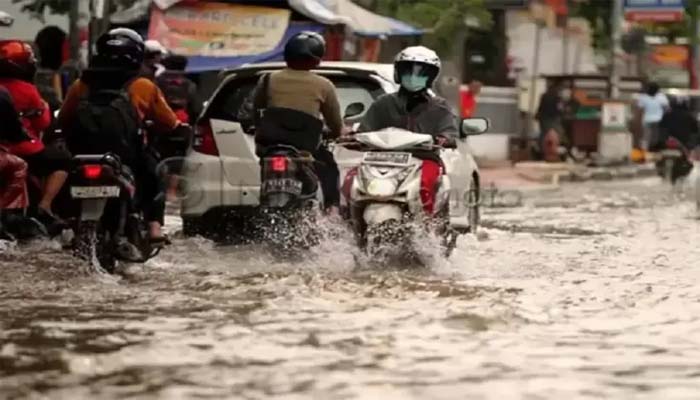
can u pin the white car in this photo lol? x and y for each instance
(222, 174)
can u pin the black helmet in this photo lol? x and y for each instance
(122, 48)
(305, 46)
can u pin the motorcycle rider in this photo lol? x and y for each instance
(293, 99)
(17, 69)
(14, 198)
(416, 108)
(680, 123)
(154, 53)
(116, 67)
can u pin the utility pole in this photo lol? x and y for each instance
(565, 39)
(74, 31)
(616, 27)
(539, 25)
(694, 6)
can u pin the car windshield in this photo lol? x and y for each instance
(350, 90)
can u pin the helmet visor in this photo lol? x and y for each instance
(415, 69)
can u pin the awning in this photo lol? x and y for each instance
(328, 12)
(201, 64)
(360, 20)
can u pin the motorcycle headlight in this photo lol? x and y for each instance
(381, 187)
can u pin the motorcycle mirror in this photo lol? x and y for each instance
(473, 126)
(6, 19)
(354, 109)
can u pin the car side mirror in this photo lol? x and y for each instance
(353, 110)
(473, 126)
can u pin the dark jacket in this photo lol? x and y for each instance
(682, 125)
(419, 113)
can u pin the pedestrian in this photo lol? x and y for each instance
(50, 47)
(549, 116)
(653, 105)
(468, 99)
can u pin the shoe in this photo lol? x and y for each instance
(127, 251)
(24, 228)
(53, 224)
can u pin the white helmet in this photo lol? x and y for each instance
(417, 55)
(154, 47)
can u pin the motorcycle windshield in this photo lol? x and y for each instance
(393, 139)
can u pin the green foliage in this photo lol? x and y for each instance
(598, 14)
(39, 7)
(443, 19)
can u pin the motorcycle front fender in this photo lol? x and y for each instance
(378, 213)
(92, 209)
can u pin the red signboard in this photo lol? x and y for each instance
(660, 15)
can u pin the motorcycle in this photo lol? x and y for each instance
(674, 162)
(383, 194)
(290, 198)
(109, 227)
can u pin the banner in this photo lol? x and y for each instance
(218, 29)
(654, 10)
(668, 65)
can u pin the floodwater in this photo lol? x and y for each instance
(589, 292)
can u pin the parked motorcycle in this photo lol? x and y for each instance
(383, 194)
(109, 227)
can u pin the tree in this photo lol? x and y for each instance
(442, 19)
(38, 8)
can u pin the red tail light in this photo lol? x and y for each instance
(92, 171)
(204, 141)
(673, 144)
(278, 164)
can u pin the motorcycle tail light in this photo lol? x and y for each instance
(278, 164)
(92, 171)
(673, 144)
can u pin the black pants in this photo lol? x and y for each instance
(150, 188)
(329, 176)
(48, 161)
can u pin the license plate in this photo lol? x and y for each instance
(386, 158)
(94, 192)
(292, 186)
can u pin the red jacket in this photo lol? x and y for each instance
(468, 104)
(28, 100)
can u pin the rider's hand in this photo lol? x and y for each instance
(441, 140)
(347, 131)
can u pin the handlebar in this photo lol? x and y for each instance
(350, 143)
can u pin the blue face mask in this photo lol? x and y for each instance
(414, 83)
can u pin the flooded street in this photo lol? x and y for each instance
(588, 292)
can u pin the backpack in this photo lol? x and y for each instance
(107, 122)
(284, 126)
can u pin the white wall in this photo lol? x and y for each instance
(521, 32)
(26, 28)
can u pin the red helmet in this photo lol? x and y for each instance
(17, 59)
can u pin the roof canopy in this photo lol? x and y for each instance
(328, 12)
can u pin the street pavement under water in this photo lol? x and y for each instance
(587, 292)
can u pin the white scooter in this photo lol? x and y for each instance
(383, 194)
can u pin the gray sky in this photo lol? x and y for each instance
(25, 28)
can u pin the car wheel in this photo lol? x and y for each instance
(191, 226)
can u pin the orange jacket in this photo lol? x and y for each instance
(147, 98)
